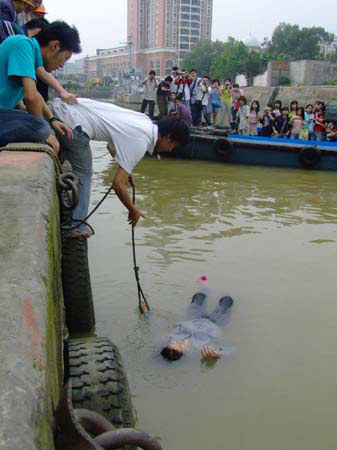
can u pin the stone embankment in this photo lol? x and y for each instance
(31, 320)
(303, 94)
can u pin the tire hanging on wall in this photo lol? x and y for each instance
(99, 382)
(77, 293)
(310, 156)
(224, 147)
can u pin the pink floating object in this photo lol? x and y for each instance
(204, 280)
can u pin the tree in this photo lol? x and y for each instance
(291, 43)
(202, 56)
(238, 59)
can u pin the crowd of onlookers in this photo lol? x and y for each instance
(202, 102)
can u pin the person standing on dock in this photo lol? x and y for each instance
(20, 57)
(150, 87)
(227, 103)
(163, 92)
(129, 134)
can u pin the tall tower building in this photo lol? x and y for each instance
(162, 31)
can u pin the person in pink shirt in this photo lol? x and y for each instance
(297, 123)
(254, 118)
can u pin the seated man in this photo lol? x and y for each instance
(198, 335)
(20, 57)
(129, 135)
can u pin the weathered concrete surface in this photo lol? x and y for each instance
(304, 94)
(31, 320)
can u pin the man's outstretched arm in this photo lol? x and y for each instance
(119, 185)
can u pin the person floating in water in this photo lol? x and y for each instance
(199, 334)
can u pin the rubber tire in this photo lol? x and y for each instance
(224, 147)
(310, 157)
(77, 293)
(99, 382)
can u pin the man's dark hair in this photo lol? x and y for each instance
(176, 128)
(175, 68)
(206, 76)
(60, 31)
(193, 70)
(243, 99)
(169, 79)
(180, 96)
(152, 72)
(236, 85)
(171, 355)
(37, 23)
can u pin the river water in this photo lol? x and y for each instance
(266, 236)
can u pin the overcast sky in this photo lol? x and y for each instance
(102, 23)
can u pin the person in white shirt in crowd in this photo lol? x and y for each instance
(174, 74)
(242, 116)
(206, 100)
(201, 100)
(150, 88)
(184, 81)
(129, 135)
(196, 106)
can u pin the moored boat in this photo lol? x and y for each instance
(232, 148)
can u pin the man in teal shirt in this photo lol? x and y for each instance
(22, 109)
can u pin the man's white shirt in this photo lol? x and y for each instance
(132, 133)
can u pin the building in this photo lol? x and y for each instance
(162, 31)
(159, 33)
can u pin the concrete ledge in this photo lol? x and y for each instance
(31, 319)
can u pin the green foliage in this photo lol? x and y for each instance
(284, 81)
(202, 55)
(238, 59)
(330, 83)
(291, 43)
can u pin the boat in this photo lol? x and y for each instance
(221, 146)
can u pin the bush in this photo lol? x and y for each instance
(285, 81)
(330, 83)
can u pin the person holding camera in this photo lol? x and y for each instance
(184, 81)
(174, 74)
(227, 104)
(163, 93)
(150, 87)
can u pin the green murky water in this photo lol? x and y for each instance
(268, 237)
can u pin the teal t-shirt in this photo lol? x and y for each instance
(19, 57)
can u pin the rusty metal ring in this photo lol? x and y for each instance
(73, 199)
(92, 422)
(127, 436)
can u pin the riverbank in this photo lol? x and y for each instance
(31, 323)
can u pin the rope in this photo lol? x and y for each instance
(141, 296)
(35, 148)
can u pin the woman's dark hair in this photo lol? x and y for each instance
(243, 99)
(216, 81)
(278, 102)
(37, 23)
(171, 355)
(169, 79)
(60, 31)
(175, 68)
(176, 128)
(294, 102)
(285, 108)
(300, 112)
(152, 72)
(236, 85)
(309, 106)
(257, 107)
(180, 96)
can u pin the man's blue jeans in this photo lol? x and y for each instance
(20, 126)
(78, 152)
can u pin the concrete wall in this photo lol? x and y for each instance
(304, 94)
(312, 73)
(31, 320)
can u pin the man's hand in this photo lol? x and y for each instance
(69, 98)
(134, 216)
(54, 143)
(62, 128)
(209, 353)
(143, 308)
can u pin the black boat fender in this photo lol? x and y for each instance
(310, 156)
(224, 147)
